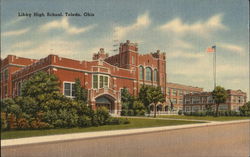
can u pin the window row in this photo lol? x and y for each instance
(175, 92)
(100, 81)
(150, 74)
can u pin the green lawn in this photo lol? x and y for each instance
(134, 123)
(209, 118)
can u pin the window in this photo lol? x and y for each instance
(19, 86)
(180, 92)
(69, 89)
(195, 108)
(196, 100)
(5, 90)
(181, 101)
(174, 101)
(187, 100)
(210, 99)
(155, 75)
(141, 73)
(148, 74)
(6, 74)
(174, 92)
(95, 81)
(106, 81)
(133, 60)
(101, 80)
(169, 91)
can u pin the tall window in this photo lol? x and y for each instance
(133, 60)
(106, 80)
(101, 80)
(95, 81)
(141, 73)
(174, 92)
(19, 86)
(69, 89)
(6, 75)
(148, 74)
(155, 75)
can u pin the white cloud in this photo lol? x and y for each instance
(65, 25)
(59, 47)
(14, 21)
(231, 70)
(141, 22)
(187, 55)
(231, 47)
(23, 44)
(178, 43)
(16, 32)
(202, 28)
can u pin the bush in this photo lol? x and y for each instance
(130, 112)
(3, 121)
(102, 115)
(141, 113)
(37, 124)
(23, 123)
(187, 113)
(124, 112)
(180, 112)
(84, 121)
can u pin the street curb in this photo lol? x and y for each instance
(98, 134)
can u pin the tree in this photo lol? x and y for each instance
(219, 95)
(155, 95)
(81, 93)
(245, 109)
(143, 96)
(127, 99)
(9, 106)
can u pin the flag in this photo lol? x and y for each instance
(211, 49)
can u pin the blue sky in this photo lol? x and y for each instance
(181, 28)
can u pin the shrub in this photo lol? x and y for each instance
(102, 115)
(23, 123)
(187, 113)
(130, 112)
(84, 121)
(3, 121)
(124, 112)
(37, 124)
(141, 113)
(180, 112)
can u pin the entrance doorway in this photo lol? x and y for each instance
(105, 101)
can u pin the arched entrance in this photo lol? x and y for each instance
(105, 101)
(159, 107)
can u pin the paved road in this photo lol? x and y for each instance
(230, 140)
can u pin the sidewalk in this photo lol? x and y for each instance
(89, 135)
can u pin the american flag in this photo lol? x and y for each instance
(211, 49)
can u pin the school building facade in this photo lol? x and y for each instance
(104, 77)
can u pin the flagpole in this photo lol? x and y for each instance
(215, 68)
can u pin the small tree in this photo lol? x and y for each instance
(127, 99)
(81, 92)
(143, 96)
(219, 95)
(245, 109)
(155, 95)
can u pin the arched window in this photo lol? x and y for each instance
(141, 73)
(148, 74)
(155, 75)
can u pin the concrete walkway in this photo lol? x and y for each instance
(88, 135)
